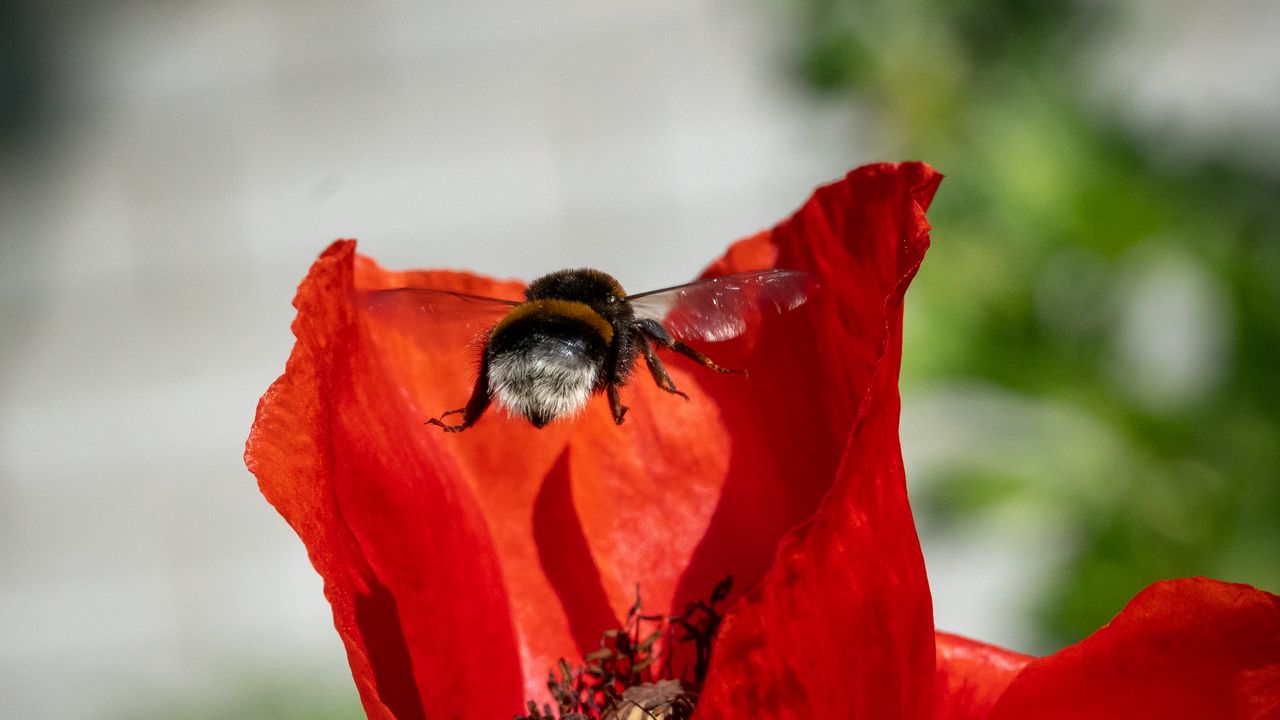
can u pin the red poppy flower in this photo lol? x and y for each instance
(461, 567)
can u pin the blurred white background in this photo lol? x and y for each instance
(190, 160)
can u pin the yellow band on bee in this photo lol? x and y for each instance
(559, 309)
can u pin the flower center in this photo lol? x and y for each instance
(632, 676)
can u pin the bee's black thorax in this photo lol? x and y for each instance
(597, 290)
(593, 288)
(582, 284)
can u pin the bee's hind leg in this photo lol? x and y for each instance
(475, 406)
(654, 330)
(615, 403)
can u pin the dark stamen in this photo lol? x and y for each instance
(621, 680)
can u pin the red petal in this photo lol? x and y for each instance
(1194, 648)
(559, 525)
(841, 625)
(971, 676)
(389, 523)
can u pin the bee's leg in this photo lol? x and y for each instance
(659, 334)
(615, 403)
(475, 406)
(656, 369)
(615, 375)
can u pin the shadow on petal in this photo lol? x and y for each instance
(567, 561)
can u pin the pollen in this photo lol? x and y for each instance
(662, 700)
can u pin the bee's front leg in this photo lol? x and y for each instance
(476, 406)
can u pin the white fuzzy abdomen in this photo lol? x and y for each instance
(543, 382)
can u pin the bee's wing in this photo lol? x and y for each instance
(411, 306)
(724, 307)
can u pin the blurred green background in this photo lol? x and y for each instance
(1126, 283)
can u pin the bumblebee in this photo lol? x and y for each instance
(577, 333)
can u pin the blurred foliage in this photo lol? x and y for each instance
(1083, 265)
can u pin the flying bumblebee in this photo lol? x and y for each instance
(577, 333)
